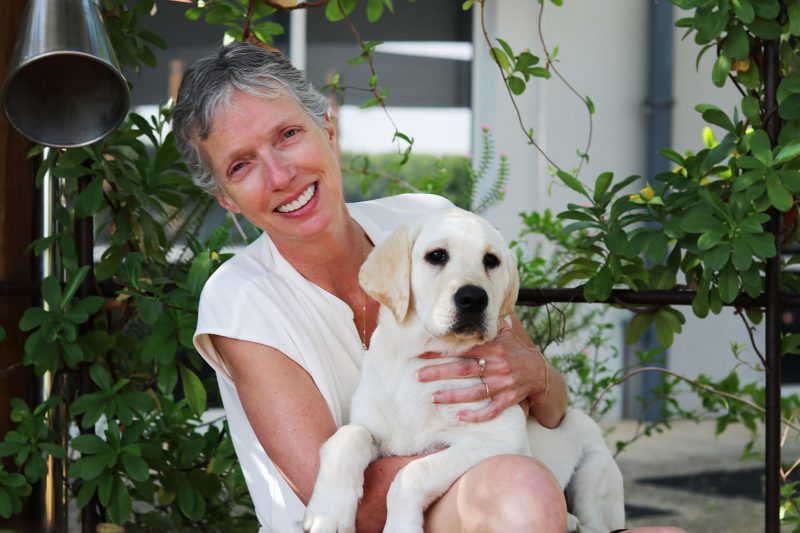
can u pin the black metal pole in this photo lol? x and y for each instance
(773, 311)
(543, 296)
(84, 235)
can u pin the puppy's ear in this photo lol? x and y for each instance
(512, 290)
(386, 274)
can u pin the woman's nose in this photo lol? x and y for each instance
(278, 172)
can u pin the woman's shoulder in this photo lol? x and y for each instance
(249, 267)
(407, 201)
(400, 208)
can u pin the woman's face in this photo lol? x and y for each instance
(276, 166)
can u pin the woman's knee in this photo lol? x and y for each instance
(511, 493)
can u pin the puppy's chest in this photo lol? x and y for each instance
(400, 412)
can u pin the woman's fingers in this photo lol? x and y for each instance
(465, 368)
(465, 395)
(500, 402)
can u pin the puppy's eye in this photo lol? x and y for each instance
(437, 257)
(491, 261)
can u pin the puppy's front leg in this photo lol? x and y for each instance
(340, 482)
(422, 481)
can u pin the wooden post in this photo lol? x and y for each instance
(17, 265)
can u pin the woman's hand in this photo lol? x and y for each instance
(513, 371)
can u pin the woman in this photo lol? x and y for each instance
(284, 323)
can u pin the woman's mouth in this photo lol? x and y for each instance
(300, 202)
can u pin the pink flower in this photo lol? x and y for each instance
(486, 127)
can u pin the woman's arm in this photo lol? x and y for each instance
(514, 371)
(292, 421)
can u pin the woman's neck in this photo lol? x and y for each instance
(333, 259)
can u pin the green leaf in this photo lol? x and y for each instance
(709, 239)
(150, 309)
(666, 327)
(90, 200)
(788, 152)
(763, 244)
(721, 69)
(715, 258)
(742, 255)
(100, 377)
(714, 115)
(752, 110)
(33, 318)
(767, 29)
(199, 271)
(789, 343)
(516, 85)
(601, 185)
(500, 57)
(85, 493)
(334, 13)
(53, 449)
(93, 465)
(6, 509)
(90, 444)
(599, 286)
(637, 327)
(573, 183)
(193, 390)
(779, 197)
(793, 11)
(736, 44)
(728, 283)
(700, 304)
(761, 147)
(135, 467)
(789, 108)
(51, 292)
(72, 285)
(700, 221)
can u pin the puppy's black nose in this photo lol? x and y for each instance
(471, 299)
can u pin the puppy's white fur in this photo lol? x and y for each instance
(392, 412)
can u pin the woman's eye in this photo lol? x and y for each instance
(291, 133)
(236, 168)
(437, 257)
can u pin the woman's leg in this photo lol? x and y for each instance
(501, 494)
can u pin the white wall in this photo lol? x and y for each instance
(598, 59)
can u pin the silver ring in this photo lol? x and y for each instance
(482, 364)
(486, 386)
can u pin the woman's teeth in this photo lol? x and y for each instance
(300, 202)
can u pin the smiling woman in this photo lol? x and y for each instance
(284, 323)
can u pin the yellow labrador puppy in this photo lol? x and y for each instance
(443, 284)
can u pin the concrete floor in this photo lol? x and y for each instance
(690, 478)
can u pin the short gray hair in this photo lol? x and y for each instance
(208, 84)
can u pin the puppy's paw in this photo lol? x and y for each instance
(332, 511)
(397, 526)
(406, 520)
(326, 519)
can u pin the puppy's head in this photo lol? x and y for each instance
(453, 269)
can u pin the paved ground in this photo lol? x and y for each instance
(690, 478)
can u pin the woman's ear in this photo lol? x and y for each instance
(227, 203)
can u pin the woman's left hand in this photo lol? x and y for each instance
(512, 371)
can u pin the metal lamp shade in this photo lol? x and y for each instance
(64, 88)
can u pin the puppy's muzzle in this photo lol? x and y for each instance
(470, 304)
